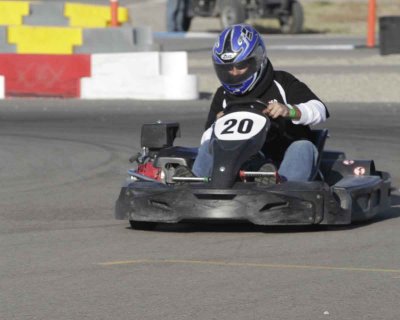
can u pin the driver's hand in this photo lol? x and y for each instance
(276, 109)
(220, 114)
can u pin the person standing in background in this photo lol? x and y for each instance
(178, 15)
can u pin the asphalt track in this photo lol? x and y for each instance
(63, 256)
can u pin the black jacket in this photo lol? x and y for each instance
(284, 132)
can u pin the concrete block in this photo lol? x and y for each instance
(145, 76)
(174, 63)
(151, 47)
(2, 87)
(53, 75)
(126, 64)
(143, 36)
(122, 39)
(183, 87)
(5, 47)
(92, 16)
(45, 40)
(107, 40)
(46, 14)
(142, 88)
(143, 39)
(12, 12)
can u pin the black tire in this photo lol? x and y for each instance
(142, 225)
(231, 12)
(293, 23)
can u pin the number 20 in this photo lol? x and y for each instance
(245, 126)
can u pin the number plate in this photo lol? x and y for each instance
(241, 125)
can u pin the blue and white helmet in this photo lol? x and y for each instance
(239, 46)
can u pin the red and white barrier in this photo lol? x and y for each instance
(2, 88)
(136, 75)
(44, 75)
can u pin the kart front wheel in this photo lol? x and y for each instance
(142, 225)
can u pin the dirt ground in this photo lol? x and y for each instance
(320, 16)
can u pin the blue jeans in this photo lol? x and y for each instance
(177, 15)
(298, 163)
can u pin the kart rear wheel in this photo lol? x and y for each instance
(142, 225)
(293, 23)
(231, 12)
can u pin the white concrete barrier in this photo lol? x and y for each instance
(179, 88)
(143, 88)
(174, 63)
(125, 64)
(2, 87)
(140, 75)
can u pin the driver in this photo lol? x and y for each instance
(245, 72)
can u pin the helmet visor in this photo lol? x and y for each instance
(236, 73)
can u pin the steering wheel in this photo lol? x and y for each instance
(277, 126)
(246, 104)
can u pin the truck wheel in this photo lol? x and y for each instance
(294, 22)
(231, 12)
(142, 225)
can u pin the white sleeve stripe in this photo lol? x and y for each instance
(312, 112)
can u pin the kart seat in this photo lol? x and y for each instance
(318, 137)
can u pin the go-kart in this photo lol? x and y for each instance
(342, 191)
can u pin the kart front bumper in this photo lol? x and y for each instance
(290, 203)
